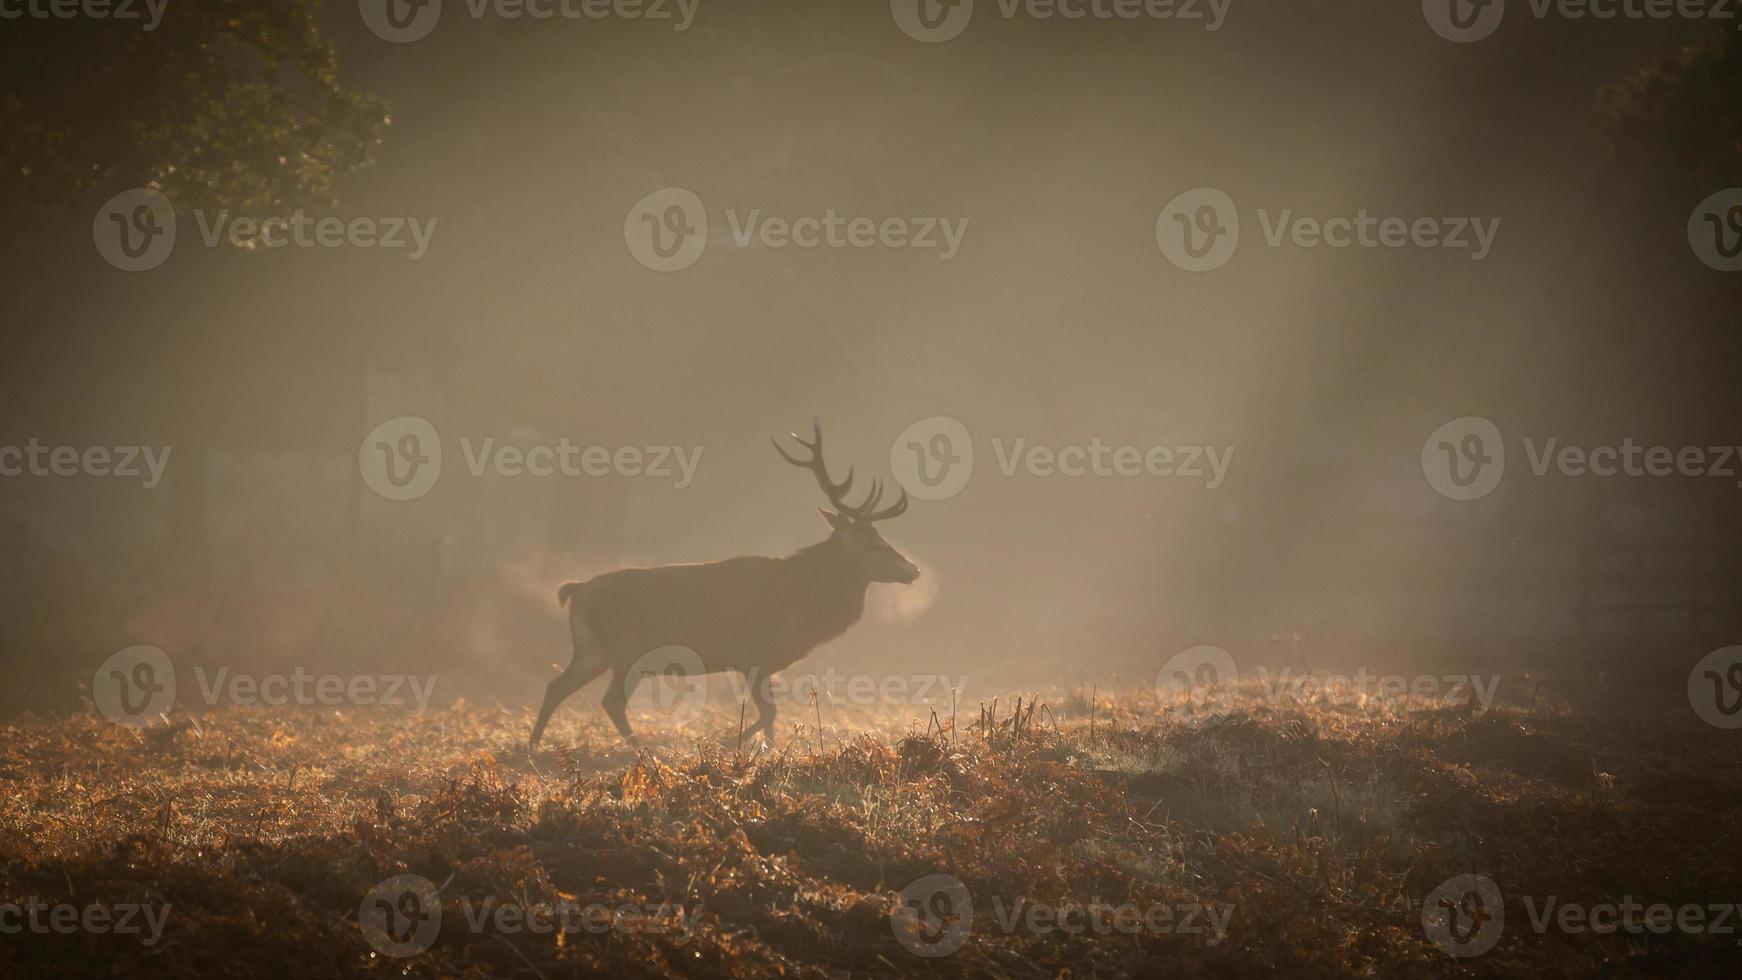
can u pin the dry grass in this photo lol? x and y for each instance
(1322, 823)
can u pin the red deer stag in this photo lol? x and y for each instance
(753, 615)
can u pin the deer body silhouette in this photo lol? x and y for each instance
(752, 615)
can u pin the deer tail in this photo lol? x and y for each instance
(567, 591)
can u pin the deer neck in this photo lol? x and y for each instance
(833, 590)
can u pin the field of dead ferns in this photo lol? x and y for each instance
(1108, 836)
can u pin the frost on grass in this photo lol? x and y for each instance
(1323, 822)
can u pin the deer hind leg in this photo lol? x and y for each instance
(559, 690)
(588, 662)
(617, 693)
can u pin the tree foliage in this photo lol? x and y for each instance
(1686, 112)
(226, 103)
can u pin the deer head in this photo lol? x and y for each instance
(855, 538)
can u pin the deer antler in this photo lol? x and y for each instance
(837, 492)
(893, 510)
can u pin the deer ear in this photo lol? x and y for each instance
(836, 521)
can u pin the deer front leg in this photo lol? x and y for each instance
(762, 692)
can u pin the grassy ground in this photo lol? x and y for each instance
(1294, 836)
